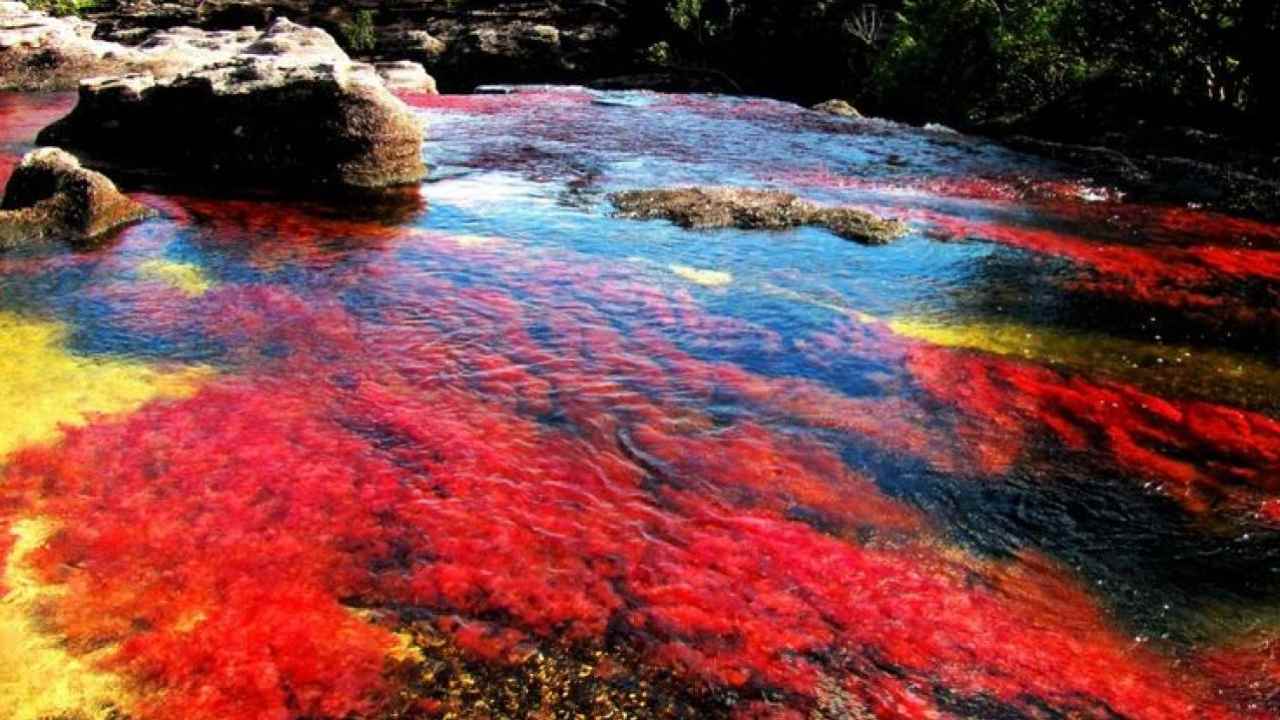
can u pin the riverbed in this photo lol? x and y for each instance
(483, 448)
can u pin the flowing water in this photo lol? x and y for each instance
(488, 451)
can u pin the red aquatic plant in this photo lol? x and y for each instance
(219, 541)
(498, 102)
(1202, 453)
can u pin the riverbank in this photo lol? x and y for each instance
(1147, 147)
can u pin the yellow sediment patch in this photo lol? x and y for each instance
(188, 278)
(708, 278)
(38, 677)
(1167, 369)
(44, 388)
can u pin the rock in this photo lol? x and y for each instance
(514, 52)
(837, 107)
(403, 75)
(723, 207)
(1104, 164)
(169, 53)
(523, 40)
(39, 52)
(412, 43)
(51, 196)
(290, 111)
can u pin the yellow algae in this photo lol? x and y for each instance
(1167, 369)
(39, 678)
(709, 278)
(188, 278)
(43, 387)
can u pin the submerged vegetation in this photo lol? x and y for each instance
(494, 446)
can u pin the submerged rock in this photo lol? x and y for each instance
(290, 110)
(837, 107)
(723, 207)
(51, 196)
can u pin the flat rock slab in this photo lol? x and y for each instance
(50, 196)
(747, 209)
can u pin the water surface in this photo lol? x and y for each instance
(491, 452)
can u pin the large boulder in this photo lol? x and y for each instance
(289, 111)
(50, 195)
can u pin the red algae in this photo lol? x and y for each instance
(1181, 278)
(730, 597)
(494, 103)
(218, 556)
(990, 190)
(1003, 404)
(528, 469)
(1247, 671)
(23, 115)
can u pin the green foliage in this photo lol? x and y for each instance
(359, 34)
(1220, 51)
(975, 59)
(971, 59)
(61, 8)
(659, 53)
(686, 14)
(701, 20)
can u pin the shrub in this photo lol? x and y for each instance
(60, 8)
(359, 34)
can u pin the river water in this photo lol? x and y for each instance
(486, 450)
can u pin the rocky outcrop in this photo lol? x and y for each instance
(1165, 179)
(39, 52)
(50, 196)
(723, 207)
(406, 76)
(411, 43)
(289, 111)
(515, 51)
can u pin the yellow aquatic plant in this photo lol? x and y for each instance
(43, 387)
(39, 678)
(189, 279)
(708, 278)
(1167, 369)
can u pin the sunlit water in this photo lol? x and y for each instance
(491, 452)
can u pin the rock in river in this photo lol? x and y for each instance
(289, 111)
(841, 108)
(722, 207)
(51, 196)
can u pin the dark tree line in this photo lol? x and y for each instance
(970, 61)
